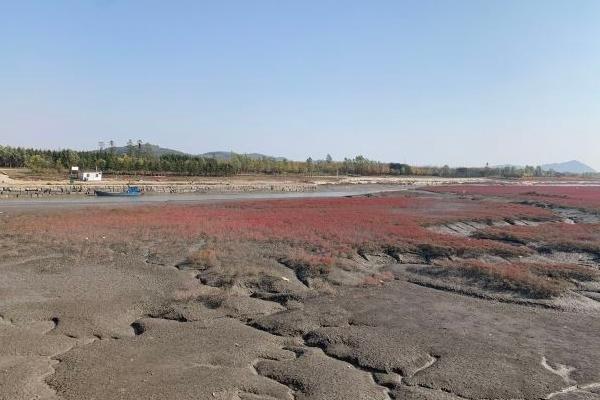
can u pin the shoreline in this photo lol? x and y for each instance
(33, 190)
(37, 190)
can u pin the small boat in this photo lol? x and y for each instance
(131, 191)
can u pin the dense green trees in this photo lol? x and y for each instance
(473, 172)
(141, 159)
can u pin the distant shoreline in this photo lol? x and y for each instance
(26, 189)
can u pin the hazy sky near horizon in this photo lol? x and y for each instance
(425, 82)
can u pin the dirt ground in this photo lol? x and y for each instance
(157, 317)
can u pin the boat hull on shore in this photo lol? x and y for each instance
(130, 192)
(116, 194)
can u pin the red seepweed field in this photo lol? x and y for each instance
(587, 197)
(332, 226)
(318, 235)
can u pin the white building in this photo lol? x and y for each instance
(90, 175)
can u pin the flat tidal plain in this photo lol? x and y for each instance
(444, 294)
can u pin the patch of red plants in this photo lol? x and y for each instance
(587, 197)
(325, 227)
(312, 236)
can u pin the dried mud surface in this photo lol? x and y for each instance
(139, 322)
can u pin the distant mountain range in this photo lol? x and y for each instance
(152, 148)
(219, 155)
(567, 167)
(226, 155)
(571, 167)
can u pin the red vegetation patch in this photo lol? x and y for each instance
(323, 227)
(314, 236)
(587, 197)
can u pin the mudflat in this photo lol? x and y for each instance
(452, 294)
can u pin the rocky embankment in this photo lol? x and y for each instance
(38, 189)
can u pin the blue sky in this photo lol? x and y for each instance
(425, 82)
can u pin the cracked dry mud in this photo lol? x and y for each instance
(137, 323)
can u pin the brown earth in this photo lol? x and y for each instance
(142, 319)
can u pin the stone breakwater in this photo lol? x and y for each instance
(30, 189)
(39, 191)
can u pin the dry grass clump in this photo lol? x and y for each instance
(527, 279)
(550, 237)
(465, 248)
(308, 266)
(205, 257)
(501, 235)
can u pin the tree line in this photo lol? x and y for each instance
(474, 172)
(142, 159)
